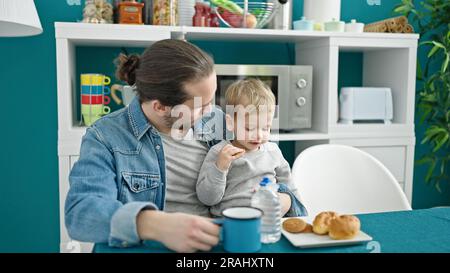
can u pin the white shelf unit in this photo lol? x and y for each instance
(389, 60)
(385, 64)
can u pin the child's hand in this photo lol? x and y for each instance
(227, 155)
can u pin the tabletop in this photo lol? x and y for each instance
(416, 231)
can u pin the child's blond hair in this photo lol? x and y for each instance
(250, 91)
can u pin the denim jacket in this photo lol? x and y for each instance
(121, 171)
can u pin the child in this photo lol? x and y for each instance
(232, 170)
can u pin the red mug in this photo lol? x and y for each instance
(95, 99)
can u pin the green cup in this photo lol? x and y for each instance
(92, 112)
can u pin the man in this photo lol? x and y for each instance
(132, 181)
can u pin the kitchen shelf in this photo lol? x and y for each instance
(141, 35)
(384, 55)
(371, 130)
(388, 61)
(299, 135)
(392, 66)
(85, 34)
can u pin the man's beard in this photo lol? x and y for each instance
(169, 121)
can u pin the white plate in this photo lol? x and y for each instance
(310, 240)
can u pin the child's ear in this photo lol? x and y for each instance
(229, 122)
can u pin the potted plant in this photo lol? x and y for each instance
(433, 22)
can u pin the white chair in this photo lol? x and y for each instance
(346, 180)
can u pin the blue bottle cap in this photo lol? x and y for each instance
(264, 182)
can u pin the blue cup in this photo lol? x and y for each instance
(241, 229)
(95, 90)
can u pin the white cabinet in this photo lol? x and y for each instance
(388, 60)
(397, 154)
(393, 157)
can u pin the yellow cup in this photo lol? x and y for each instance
(89, 120)
(92, 112)
(95, 79)
(318, 27)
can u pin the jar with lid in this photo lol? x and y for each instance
(130, 12)
(165, 12)
(213, 18)
(207, 13)
(199, 20)
(98, 12)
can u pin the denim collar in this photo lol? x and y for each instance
(203, 129)
(138, 121)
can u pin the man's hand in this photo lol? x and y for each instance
(285, 201)
(178, 231)
(228, 154)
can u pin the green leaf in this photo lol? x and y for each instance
(437, 129)
(406, 2)
(418, 14)
(430, 171)
(419, 71)
(429, 98)
(431, 86)
(445, 63)
(438, 44)
(441, 142)
(424, 160)
(425, 113)
(438, 186)
(433, 51)
(432, 132)
(425, 43)
(427, 67)
(402, 9)
(427, 138)
(443, 165)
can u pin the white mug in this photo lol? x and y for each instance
(128, 93)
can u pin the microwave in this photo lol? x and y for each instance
(291, 85)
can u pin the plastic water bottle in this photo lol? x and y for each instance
(266, 199)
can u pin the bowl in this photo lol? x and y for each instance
(334, 25)
(354, 26)
(258, 14)
(303, 24)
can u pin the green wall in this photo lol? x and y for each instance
(29, 207)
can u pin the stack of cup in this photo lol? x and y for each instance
(94, 91)
(186, 12)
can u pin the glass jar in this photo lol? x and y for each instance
(147, 12)
(165, 12)
(199, 20)
(213, 19)
(98, 12)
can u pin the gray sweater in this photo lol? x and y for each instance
(222, 190)
(183, 161)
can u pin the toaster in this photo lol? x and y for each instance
(365, 104)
